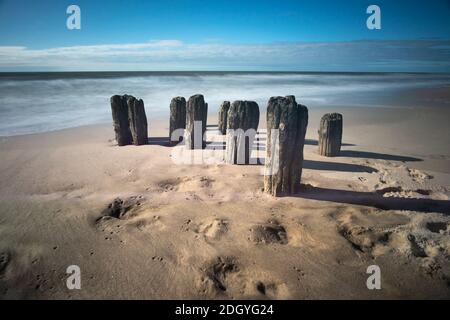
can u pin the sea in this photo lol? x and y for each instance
(45, 101)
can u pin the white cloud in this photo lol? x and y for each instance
(401, 55)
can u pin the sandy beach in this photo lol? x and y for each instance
(208, 231)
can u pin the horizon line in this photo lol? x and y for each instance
(224, 71)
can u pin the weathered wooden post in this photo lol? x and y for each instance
(242, 125)
(121, 124)
(223, 113)
(330, 135)
(177, 117)
(138, 121)
(286, 128)
(196, 119)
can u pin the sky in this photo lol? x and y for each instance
(263, 35)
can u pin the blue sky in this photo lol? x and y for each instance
(319, 35)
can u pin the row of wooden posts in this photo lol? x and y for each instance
(284, 114)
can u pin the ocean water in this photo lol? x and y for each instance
(39, 102)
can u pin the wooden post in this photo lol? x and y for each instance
(330, 135)
(223, 112)
(242, 124)
(177, 117)
(286, 128)
(196, 117)
(119, 109)
(138, 121)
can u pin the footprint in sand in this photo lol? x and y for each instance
(368, 231)
(123, 209)
(416, 249)
(185, 184)
(147, 223)
(418, 176)
(218, 271)
(270, 232)
(206, 182)
(429, 246)
(213, 229)
(271, 290)
(196, 183)
(169, 184)
(416, 237)
(5, 258)
(301, 235)
(226, 275)
(363, 239)
(383, 176)
(437, 227)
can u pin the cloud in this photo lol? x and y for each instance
(364, 55)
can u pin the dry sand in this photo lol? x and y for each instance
(208, 231)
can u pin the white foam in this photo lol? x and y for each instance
(28, 106)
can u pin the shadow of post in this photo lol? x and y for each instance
(373, 199)
(160, 141)
(374, 155)
(336, 166)
(312, 142)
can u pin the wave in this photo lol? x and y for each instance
(43, 102)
